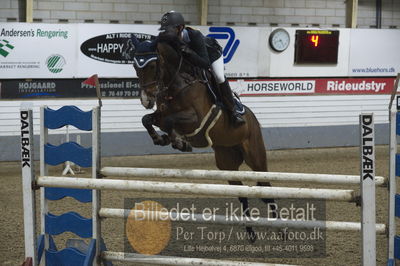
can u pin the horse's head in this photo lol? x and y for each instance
(171, 61)
(145, 63)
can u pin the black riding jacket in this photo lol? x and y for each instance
(206, 49)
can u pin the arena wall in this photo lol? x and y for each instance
(287, 123)
(282, 13)
(303, 119)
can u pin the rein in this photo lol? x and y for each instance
(164, 89)
(148, 84)
(175, 75)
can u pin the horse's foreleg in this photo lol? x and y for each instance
(171, 122)
(148, 121)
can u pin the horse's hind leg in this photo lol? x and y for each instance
(230, 159)
(255, 157)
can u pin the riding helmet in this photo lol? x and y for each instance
(171, 18)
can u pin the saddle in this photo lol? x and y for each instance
(212, 84)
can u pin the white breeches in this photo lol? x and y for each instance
(218, 69)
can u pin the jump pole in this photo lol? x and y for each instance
(327, 179)
(393, 109)
(244, 221)
(367, 180)
(198, 189)
(28, 179)
(169, 260)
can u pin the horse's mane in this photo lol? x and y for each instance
(170, 39)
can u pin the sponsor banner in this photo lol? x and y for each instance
(129, 88)
(67, 88)
(37, 50)
(65, 51)
(41, 51)
(374, 52)
(312, 86)
(103, 49)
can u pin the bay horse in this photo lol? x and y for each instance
(183, 104)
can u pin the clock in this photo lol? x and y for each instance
(279, 40)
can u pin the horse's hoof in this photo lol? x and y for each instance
(187, 147)
(182, 145)
(176, 145)
(166, 140)
(162, 141)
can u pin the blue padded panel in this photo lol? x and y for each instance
(65, 257)
(56, 193)
(390, 262)
(397, 170)
(68, 151)
(398, 123)
(91, 253)
(68, 115)
(104, 248)
(40, 246)
(68, 222)
(397, 247)
(397, 205)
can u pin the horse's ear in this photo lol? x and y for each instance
(153, 44)
(135, 41)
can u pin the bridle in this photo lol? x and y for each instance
(166, 88)
(148, 84)
(144, 86)
(162, 92)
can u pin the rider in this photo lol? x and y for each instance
(194, 39)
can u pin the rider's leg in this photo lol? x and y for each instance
(225, 90)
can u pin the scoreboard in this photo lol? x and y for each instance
(316, 47)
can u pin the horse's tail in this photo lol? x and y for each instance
(256, 141)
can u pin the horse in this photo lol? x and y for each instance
(183, 105)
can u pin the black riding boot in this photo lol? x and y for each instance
(227, 99)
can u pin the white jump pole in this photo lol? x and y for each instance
(96, 165)
(167, 260)
(235, 175)
(28, 179)
(241, 221)
(367, 176)
(198, 189)
(68, 164)
(393, 109)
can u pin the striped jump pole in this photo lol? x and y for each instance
(28, 179)
(393, 196)
(367, 179)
